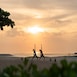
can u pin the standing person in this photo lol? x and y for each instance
(35, 55)
(34, 51)
(41, 53)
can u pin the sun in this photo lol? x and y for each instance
(34, 29)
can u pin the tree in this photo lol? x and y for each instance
(5, 20)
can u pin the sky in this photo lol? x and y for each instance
(58, 19)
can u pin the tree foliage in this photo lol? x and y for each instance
(5, 20)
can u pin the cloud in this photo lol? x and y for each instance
(10, 4)
(14, 32)
(57, 9)
(41, 4)
(51, 4)
(67, 4)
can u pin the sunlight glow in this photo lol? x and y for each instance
(35, 29)
(38, 16)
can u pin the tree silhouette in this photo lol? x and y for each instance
(5, 20)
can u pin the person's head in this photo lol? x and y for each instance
(40, 50)
(33, 49)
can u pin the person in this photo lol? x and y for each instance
(55, 60)
(35, 55)
(50, 59)
(41, 53)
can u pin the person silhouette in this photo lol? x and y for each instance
(35, 55)
(41, 53)
(55, 60)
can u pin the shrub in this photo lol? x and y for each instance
(31, 70)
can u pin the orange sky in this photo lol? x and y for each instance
(58, 19)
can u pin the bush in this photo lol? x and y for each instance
(31, 70)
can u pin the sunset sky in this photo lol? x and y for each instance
(56, 20)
